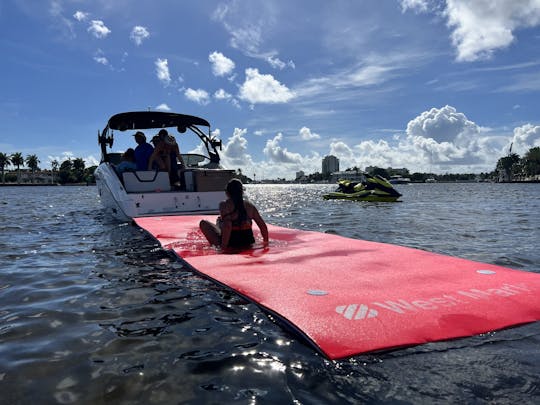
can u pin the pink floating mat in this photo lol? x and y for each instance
(351, 296)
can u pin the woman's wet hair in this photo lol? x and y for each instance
(235, 189)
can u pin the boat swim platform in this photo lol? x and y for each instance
(350, 296)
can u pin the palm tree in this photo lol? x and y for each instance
(17, 160)
(32, 162)
(78, 169)
(4, 162)
(54, 168)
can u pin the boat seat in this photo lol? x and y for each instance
(146, 181)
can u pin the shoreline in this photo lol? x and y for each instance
(45, 184)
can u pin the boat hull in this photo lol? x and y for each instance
(124, 206)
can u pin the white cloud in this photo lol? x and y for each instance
(98, 29)
(163, 107)
(199, 96)
(415, 5)
(442, 125)
(162, 71)
(80, 16)
(481, 27)
(259, 88)
(221, 65)
(278, 154)
(222, 95)
(246, 22)
(277, 63)
(525, 138)
(63, 24)
(99, 57)
(445, 137)
(307, 135)
(369, 75)
(438, 140)
(138, 34)
(235, 150)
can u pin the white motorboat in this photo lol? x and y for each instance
(149, 193)
(399, 180)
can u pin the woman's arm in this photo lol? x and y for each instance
(254, 214)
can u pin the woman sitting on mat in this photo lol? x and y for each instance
(233, 226)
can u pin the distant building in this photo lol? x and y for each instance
(330, 164)
(352, 175)
(300, 177)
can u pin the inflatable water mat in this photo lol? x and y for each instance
(349, 296)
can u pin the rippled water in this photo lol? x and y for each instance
(93, 311)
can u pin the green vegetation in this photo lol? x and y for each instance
(509, 168)
(67, 172)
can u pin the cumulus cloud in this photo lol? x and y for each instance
(163, 107)
(278, 154)
(81, 16)
(235, 151)
(525, 137)
(307, 135)
(98, 29)
(260, 88)
(198, 96)
(138, 34)
(221, 65)
(162, 71)
(437, 140)
(482, 27)
(99, 57)
(222, 95)
(442, 125)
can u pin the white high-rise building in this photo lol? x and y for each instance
(330, 164)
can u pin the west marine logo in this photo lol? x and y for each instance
(356, 312)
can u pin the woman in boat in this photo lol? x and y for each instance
(127, 163)
(167, 157)
(233, 226)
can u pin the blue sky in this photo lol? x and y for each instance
(442, 86)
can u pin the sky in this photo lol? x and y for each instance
(429, 85)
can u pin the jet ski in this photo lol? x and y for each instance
(372, 188)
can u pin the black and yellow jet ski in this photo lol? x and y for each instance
(373, 188)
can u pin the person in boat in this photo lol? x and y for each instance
(166, 156)
(127, 163)
(233, 228)
(176, 161)
(159, 158)
(143, 151)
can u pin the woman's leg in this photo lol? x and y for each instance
(211, 232)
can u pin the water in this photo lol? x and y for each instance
(93, 311)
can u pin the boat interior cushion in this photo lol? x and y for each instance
(145, 181)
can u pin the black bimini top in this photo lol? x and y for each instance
(153, 119)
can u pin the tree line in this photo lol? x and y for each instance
(513, 167)
(508, 168)
(69, 171)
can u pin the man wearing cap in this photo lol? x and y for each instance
(143, 151)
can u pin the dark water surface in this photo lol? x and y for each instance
(93, 311)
